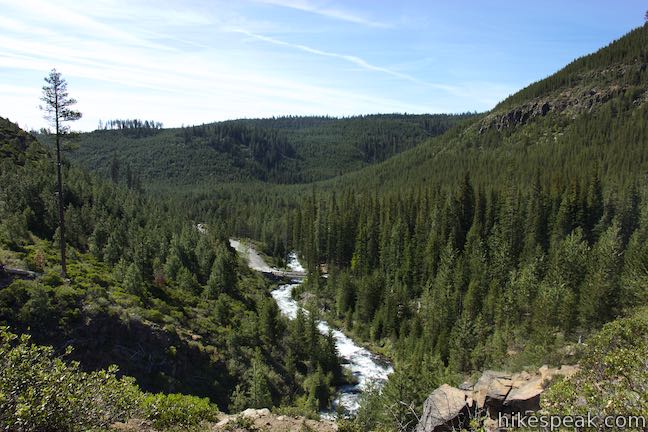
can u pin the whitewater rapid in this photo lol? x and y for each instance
(367, 367)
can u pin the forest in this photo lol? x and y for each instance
(283, 150)
(170, 306)
(451, 244)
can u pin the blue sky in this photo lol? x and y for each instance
(188, 62)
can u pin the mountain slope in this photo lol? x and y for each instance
(281, 150)
(586, 120)
(501, 244)
(589, 115)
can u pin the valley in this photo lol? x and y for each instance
(367, 368)
(386, 272)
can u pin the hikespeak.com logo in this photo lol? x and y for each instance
(531, 420)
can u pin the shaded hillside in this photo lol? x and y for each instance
(281, 150)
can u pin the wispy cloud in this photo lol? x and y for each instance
(122, 62)
(46, 13)
(129, 80)
(326, 11)
(357, 61)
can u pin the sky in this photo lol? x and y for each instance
(199, 61)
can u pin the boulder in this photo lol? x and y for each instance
(525, 397)
(446, 409)
(255, 413)
(568, 370)
(491, 390)
(546, 372)
(520, 378)
(223, 422)
(466, 386)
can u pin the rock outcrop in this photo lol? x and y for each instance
(8, 274)
(446, 409)
(491, 390)
(495, 393)
(571, 101)
(524, 396)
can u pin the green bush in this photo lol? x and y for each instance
(178, 411)
(613, 379)
(241, 423)
(41, 392)
(345, 425)
(51, 278)
(303, 410)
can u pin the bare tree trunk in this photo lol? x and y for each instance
(60, 195)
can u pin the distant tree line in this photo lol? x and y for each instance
(133, 127)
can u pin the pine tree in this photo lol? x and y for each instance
(205, 258)
(600, 298)
(238, 400)
(133, 282)
(258, 393)
(269, 323)
(58, 111)
(635, 271)
(222, 278)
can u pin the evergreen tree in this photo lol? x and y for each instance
(58, 111)
(222, 278)
(133, 282)
(258, 393)
(600, 298)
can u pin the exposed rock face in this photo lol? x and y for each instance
(570, 102)
(446, 409)
(495, 392)
(8, 274)
(517, 116)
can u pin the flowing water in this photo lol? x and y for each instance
(367, 367)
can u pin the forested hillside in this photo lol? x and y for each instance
(452, 244)
(588, 117)
(501, 243)
(279, 150)
(148, 291)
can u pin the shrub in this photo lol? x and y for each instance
(297, 411)
(241, 423)
(613, 379)
(178, 411)
(40, 392)
(52, 278)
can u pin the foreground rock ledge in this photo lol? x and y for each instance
(449, 408)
